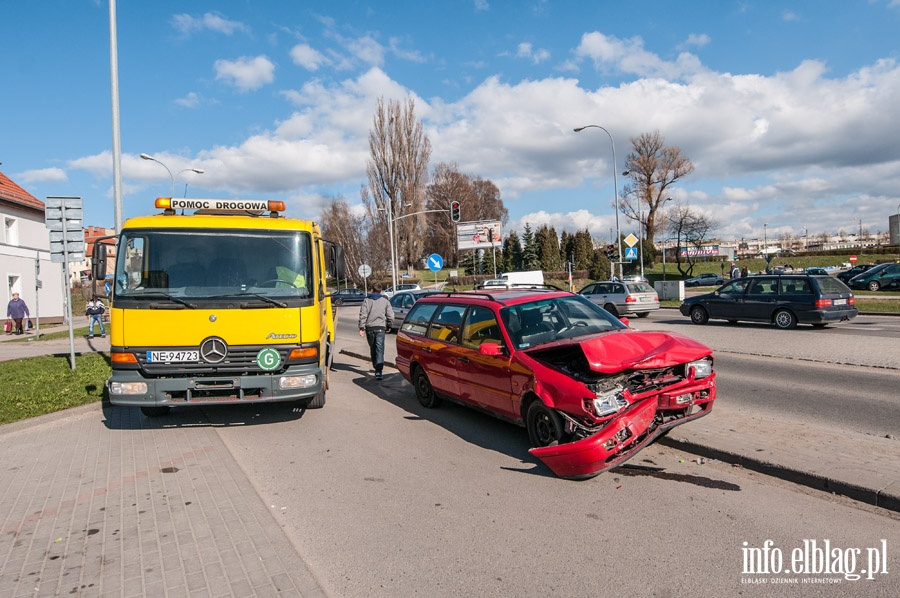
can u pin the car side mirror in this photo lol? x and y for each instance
(625, 321)
(490, 349)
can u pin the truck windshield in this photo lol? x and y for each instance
(179, 264)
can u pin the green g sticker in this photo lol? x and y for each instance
(268, 359)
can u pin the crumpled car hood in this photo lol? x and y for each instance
(632, 349)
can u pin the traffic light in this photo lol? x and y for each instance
(611, 252)
(454, 211)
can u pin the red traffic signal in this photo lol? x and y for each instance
(454, 211)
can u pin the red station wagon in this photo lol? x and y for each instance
(590, 391)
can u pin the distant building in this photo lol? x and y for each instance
(25, 255)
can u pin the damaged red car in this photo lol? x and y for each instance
(590, 391)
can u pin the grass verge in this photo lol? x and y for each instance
(40, 385)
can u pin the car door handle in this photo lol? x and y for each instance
(463, 360)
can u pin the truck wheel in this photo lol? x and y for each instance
(317, 402)
(155, 411)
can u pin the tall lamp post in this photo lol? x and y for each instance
(172, 176)
(615, 185)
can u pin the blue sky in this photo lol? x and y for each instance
(789, 110)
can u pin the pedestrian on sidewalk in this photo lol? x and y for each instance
(95, 310)
(375, 318)
(17, 311)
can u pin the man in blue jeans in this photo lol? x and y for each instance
(95, 310)
(376, 317)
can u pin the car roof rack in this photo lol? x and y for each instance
(490, 296)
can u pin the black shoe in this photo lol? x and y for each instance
(91, 336)
(378, 376)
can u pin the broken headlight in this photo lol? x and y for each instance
(608, 402)
(702, 368)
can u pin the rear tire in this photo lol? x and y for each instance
(785, 319)
(155, 411)
(699, 315)
(424, 391)
(874, 286)
(643, 314)
(611, 309)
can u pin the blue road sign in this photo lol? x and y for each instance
(631, 253)
(435, 262)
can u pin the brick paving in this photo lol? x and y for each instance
(101, 501)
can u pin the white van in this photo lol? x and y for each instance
(533, 277)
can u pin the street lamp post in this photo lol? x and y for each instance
(615, 185)
(172, 176)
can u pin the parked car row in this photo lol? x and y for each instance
(877, 278)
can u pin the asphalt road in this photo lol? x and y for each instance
(385, 498)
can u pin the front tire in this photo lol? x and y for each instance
(424, 391)
(545, 426)
(785, 319)
(155, 411)
(699, 315)
(317, 402)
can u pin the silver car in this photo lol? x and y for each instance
(403, 301)
(623, 298)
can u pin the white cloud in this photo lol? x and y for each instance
(308, 57)
(525, 50)
(697, 40)
(43, 175)
(246, 73)
(191, 100)
(186, 24)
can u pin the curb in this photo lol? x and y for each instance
(877, 498)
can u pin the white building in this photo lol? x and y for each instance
(25, 255)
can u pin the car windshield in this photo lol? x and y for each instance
(547, 320)
(189, 266)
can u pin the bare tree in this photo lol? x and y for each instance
(351, 231)
(479, 200)
(691, 229)
(653, 168)
(398, 172)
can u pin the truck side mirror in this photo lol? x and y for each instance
(98, 261)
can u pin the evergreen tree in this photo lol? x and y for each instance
(530, 260)
(583, 250)
(547, 242)
(512, 253)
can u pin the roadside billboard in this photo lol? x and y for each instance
(483, 234)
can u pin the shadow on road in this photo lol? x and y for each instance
(117, 417)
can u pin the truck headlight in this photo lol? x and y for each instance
(128, 388)
(702, 368)
(287, 382)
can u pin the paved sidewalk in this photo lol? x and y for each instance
(102, 501)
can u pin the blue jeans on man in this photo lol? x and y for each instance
(375, 337)
(99, 320)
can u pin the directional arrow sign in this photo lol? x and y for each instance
(435, 262)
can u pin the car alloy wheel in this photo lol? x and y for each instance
(699, 315)
(785, 320)
(874, 286)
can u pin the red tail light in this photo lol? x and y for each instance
(823, 303)
(851, 301)
(630, 299)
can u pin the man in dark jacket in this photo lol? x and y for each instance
(376, 317)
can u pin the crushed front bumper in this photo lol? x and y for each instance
(634, 428)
